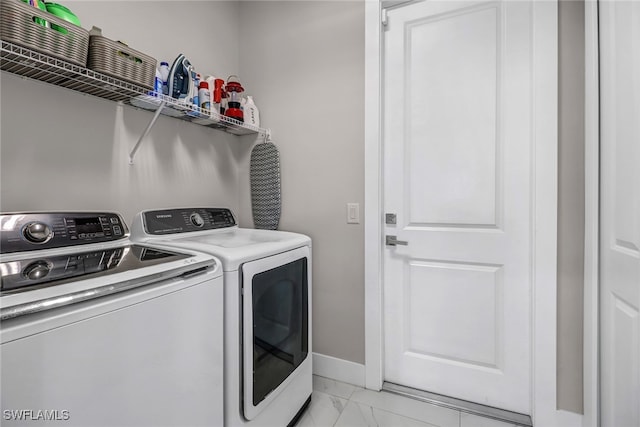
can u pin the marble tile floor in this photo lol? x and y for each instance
(334, 403)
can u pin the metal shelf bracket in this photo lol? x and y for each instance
(146, 131)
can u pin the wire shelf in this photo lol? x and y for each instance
(28, 63)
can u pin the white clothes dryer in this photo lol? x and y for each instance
(267, 309)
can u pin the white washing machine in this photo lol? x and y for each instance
(97, 331)
(267, 312)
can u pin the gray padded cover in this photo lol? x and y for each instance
(265, 186)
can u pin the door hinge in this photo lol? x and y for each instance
(385, 18)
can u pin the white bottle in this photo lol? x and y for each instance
(204, 97)
(164, 72)
(157, 84)
(211, 82)
(251, 113)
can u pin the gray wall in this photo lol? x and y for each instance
(306, 63)
(570, 204)
(63, 150)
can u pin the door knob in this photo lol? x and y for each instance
(393, 241)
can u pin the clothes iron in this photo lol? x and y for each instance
(181, 80)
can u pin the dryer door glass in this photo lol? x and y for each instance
(280, 325)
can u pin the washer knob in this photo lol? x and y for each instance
(196, 219)
(37, 232)
(36, 270)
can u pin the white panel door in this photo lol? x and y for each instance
(457, 173)
(620, 213)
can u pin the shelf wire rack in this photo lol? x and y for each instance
(38, 66)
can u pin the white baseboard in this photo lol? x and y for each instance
(338, 369)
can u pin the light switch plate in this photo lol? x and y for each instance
(353, 213)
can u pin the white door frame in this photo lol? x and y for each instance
(592, 205)
(544, 231)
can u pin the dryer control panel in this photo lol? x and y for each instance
(29, 231)
(171, 221)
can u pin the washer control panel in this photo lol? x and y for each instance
(30, 231)
(170, 221)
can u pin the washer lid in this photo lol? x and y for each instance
(37, 270)
(40, 280)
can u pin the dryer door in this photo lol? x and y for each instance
(276, 334)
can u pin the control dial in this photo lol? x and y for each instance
(36, 270)
(37, 232)
(196, 219)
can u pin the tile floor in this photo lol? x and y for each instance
(342, 405)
